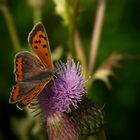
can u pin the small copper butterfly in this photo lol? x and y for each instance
(32, 73)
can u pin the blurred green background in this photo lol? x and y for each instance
(121, 33)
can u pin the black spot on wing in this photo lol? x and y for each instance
(44, 46)
(35, 41)
(35, 47)
(41, 36)
(35, 93)
(36, 28)
(45, 38)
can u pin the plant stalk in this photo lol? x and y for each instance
(11, 27)
(96, 33)
(37, 14)
(101, 135)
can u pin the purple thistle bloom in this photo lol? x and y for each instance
(66, 90)
(68, 114)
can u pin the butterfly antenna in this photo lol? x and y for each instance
(59, 65)
(54, 82)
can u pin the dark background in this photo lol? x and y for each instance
(121, 33)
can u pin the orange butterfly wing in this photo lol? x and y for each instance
(38, 40)
(18, 68)
(29, 73)
(26, 66)
(21, 90)
(29, 69)
(14, 93)
(31, 95)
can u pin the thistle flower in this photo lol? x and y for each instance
(61, 127)
(68, 114)
(66, 91)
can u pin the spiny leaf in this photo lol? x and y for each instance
(105, 70)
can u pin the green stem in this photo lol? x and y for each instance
(71, 36)
(72, 17)
(79, 50)
(78, 45)
(71, 39)
(11, 27)
(101, 135)
(96, 33)
(91, 138)
(37, 14)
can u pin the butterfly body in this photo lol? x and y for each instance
(32, 72)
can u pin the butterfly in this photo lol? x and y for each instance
(32, 72)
